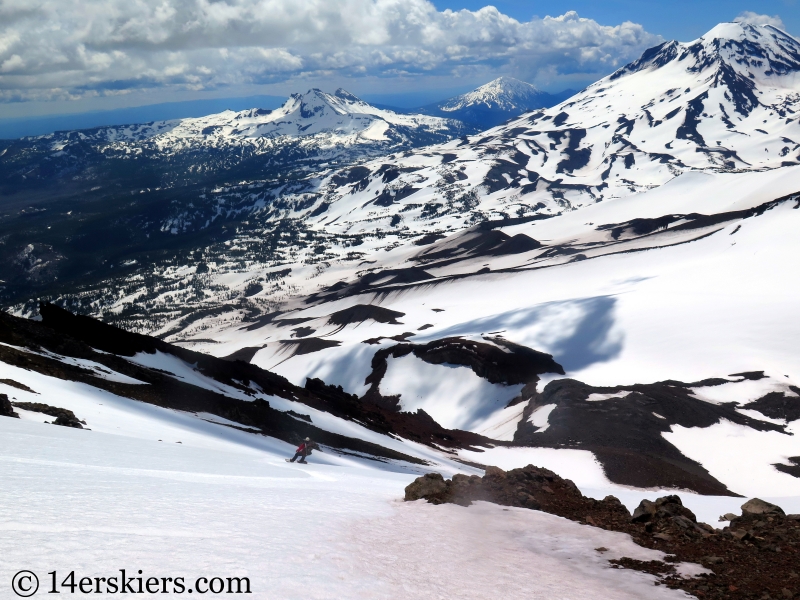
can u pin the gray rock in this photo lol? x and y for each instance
(713, 560)
(756, 506)
(728, 517)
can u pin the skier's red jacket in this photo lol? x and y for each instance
(301, 447)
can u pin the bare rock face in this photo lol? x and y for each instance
(430, 486)
(756, 506)
(6, 410)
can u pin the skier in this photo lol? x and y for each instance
(304, 450)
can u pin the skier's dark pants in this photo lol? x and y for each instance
(302, 456)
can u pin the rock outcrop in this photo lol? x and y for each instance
(6, 409)
(63, 416)
(756, 556)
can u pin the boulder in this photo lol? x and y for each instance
(494, 473)
(756, 506)
(644, 512)
(430, 486)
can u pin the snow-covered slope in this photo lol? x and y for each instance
(681, 107)
(207, 508)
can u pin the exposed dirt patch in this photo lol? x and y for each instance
(778, 405)
(309, 345)
(792, 469)
(402, 337)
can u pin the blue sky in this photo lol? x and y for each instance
(76, 56)
(676, 19)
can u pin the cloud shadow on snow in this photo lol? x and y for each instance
(578, 332)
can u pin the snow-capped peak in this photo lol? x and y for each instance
(315, 118)
(756, 52)
(503, 93)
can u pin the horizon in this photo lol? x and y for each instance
(20, 127)
(24, 113)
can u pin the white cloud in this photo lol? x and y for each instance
(752, 18)
(58, 48)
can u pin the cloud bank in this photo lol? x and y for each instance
(60, 49)
(752, 18)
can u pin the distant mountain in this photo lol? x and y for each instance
(33, 126)
(310, 131)
(269, 180)
(495, 102)
(134, 179)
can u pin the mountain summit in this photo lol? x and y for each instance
(495, 102)
(504, 93)
(727, 102)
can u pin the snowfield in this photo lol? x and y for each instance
(95, 503)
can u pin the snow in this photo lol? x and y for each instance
(95, 503)
(601, 397)
(184, 371)
(742, 391)
(741, 466)
(316, 119)
(98, 370)
(539, 417)
(453, 395)
(673, 303)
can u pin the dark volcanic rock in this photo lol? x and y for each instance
(625, 434)
(792, 469)
(308, 345)
(63, 416)
(430, 486)
(17, 384)
(756, 557)
(528, 487)
(777, 405)
(62, 333)
(500, 362)
(6, 410)
(365, 312)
